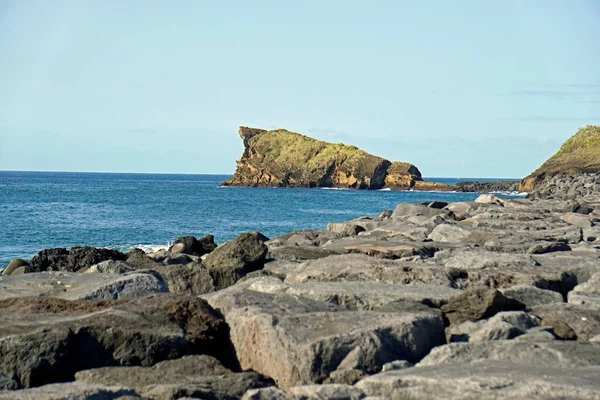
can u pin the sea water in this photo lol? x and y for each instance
(40, 210)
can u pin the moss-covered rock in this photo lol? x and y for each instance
(578, 155)
(280, 158)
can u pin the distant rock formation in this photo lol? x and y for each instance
(281, 158)
(578, 155)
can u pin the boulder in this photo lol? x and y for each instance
(295, 253)
(555, 354)
(356, 267)
(193, 246)
(61, 259)
(579, 220)
(587, 293)
(531, 296)
(488, 199)
(449, 233)
(489, 379)
(548, 247)
(191, 372)
(476, 304)
(570, 321)
(15, 264)
(75, 286)
(232, 260)
(138, 259)
(191, 279)
(356, 295)
(46, 340)
(389, 249)
(110, 267)
(502, 326)
(345, 229)
(408, 210)
(71, 391)
(296, 340)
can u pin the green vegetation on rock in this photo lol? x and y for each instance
(580, 154)
(280, 158)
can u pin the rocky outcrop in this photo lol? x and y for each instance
(567, 187)
(578, 155)
(487, 187)
(79, 257)
(280, 158)
(402, 176)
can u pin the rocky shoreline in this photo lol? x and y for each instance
(491, 299)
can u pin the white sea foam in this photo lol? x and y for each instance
(385, 190)
(148, 248)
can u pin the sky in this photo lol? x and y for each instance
(463, 88)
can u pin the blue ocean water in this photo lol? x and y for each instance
(41, 210)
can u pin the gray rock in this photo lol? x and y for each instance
(175, 259)
(200, 372)
(537, 335)
(396, 365)
(191, 279)
(476, 304)
(482, 259)
(75, 286)
(502, 326)
(15, 264)
(484, 380)
(548, 247)
(70, 391)
(488, 199)
(331, 391)
(450, 233)
(531, 296)
(269, 393)
(345, 229)
(140, 260)
(559, 354)
(355, 267)
(389, 249)
(588, 293)
(296, 340)
(45, 340)
(295, 253)
(407, 210)
(110, 267)
(345, 376)
(576, 219)
(233, 260)
(570, 321)
(355, 295)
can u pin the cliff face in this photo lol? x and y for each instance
(402, 176)
(280, 158)
(578, 155)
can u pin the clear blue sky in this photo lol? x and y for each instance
(459, 88)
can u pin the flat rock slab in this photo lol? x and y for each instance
(570, 321)
(355, 267)
(71, 391)
(77, 286)
(295, 340)
(554, 354)
(532, 296)
(357, 295)
(199, 371)
(382, 248)
(484, 380)
(47, 340)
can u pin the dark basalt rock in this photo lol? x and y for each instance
(193, 246)
(79, 257)
(233, 260)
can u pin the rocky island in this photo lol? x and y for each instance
(491, 299)
(280, 158)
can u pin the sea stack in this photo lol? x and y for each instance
(280, 158)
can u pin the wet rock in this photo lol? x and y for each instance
(476, 304)
(233, 260)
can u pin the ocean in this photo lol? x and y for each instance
(40, 210)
